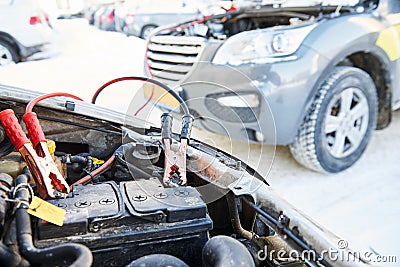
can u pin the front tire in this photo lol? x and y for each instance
(146, 30)
(8, 53)
(339, 124)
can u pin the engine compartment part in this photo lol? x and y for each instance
(226, 251)
(158, 260)
(223, 26)
(6, 146)
(121, 223)
(80, 254)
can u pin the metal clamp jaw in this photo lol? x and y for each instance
(175, 157)
(50, 183)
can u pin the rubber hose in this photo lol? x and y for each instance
(79, 159)
(225, 251)
(158, 260)
(9, 257)
(81, 255)
(6, 182)
(235, 219)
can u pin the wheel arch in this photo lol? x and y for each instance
(8, 38)
(376, 64)
(378, 69)
(359, 48)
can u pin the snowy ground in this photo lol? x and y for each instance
(360, 204)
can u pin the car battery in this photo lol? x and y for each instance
(120, 223)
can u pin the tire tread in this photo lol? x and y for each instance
(303, 147)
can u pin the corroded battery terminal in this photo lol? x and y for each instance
(175, 159)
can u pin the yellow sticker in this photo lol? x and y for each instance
(98, 161)
(388, 40)
(46, 211)
(51, 146)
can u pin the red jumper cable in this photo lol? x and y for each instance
(50, 183)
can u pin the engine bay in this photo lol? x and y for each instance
(128, 204)
(223, 26)
(125, 210)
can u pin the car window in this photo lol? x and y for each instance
(394, 6)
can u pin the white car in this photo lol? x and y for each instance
(24, 30)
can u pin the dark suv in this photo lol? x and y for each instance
(323, 76)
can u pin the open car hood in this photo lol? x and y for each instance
(213, 176)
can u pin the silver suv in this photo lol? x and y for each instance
(24, 30)
(323, 74)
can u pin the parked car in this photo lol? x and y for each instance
(121, 12)
(90, 13)
(24, 30)
(108, 19)
(328, 71)
(67, 9)
(104, 17)
(119, 212)
(140, 18)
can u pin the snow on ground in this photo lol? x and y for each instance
(360, 204)
(82, 58)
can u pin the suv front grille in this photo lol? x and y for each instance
(170, 58)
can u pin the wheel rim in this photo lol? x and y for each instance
(5, 56)
(346, 122)
(147, 31)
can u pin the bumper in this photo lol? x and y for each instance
(35, 35)
(119, 24)
(34, 40)
(133, 29)
(26, 52)
(286, 88)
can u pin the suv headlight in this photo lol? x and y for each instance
(265, 45)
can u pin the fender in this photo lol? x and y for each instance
(363, 35)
